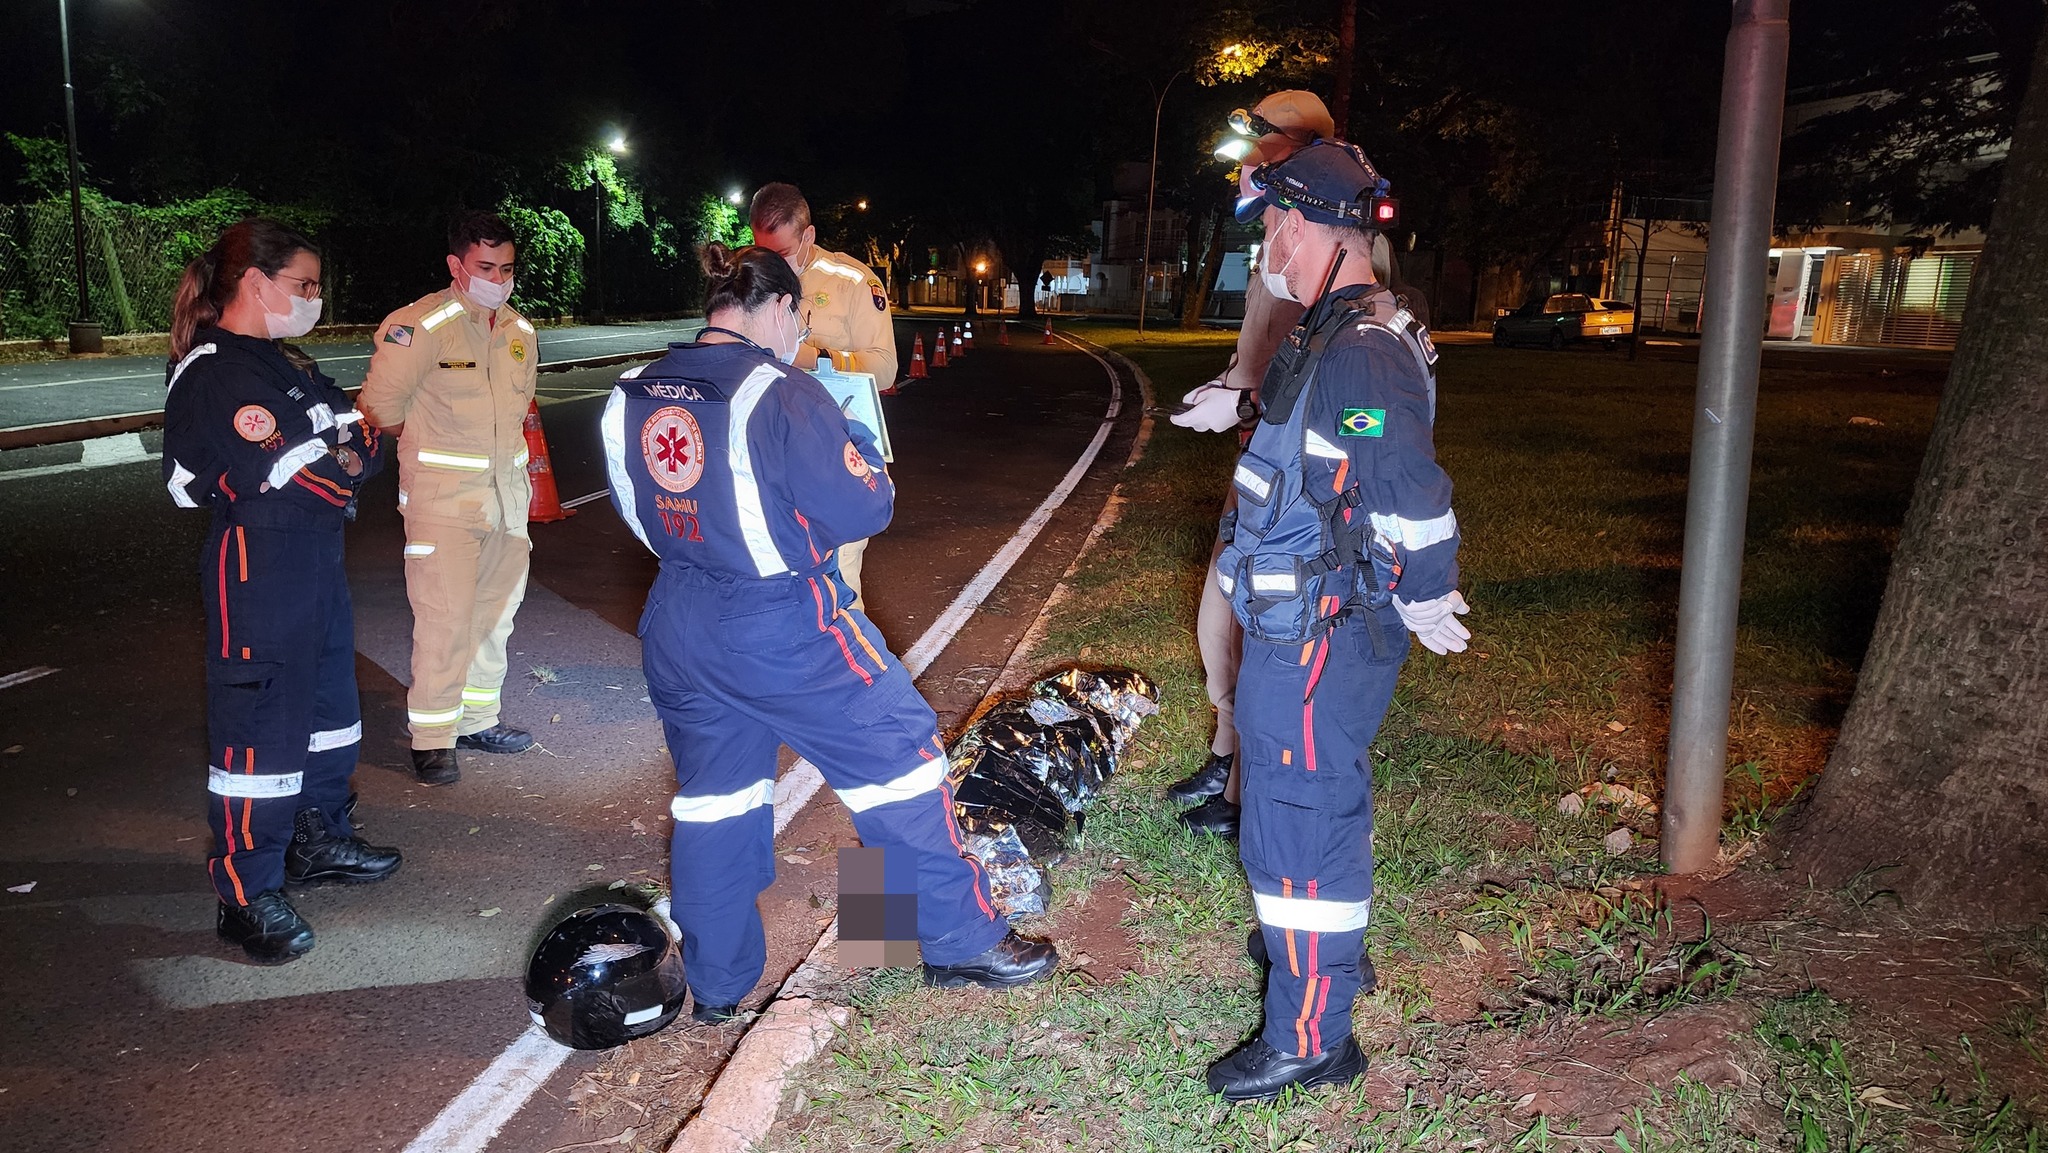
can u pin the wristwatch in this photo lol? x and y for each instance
(348, 460)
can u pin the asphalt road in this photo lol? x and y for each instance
(128, 1025)
(60, 391)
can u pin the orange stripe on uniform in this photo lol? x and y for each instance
(242, 552)
(248, 770)
(825, 626)
(224, 596)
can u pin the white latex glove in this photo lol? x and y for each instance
(1435, 623)
(1212, 408)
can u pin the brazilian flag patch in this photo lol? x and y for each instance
(1362, 422)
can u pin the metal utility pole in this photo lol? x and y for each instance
(597, 249)
(85, 335)
(1724, 429)
(1642, 262)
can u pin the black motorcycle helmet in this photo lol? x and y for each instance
(604, 976)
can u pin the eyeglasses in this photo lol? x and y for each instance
(309, 287)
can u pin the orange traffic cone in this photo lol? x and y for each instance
(958, 348)
(1048, 329)
(969, 338)
(545, 505)
(1003, 333)
(939, 350)
(917, 371)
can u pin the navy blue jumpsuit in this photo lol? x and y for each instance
(252, 436)
(744, 477)
(1359, 437)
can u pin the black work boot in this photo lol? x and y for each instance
(1255, 948)
(1215, 816)
(497, 739)
(1206, 782)
(268, 929)
(435, 767)
(1258, 1071)
(703, 1014)
(1009, 962)
(318, 855)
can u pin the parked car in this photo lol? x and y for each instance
(1567, 318)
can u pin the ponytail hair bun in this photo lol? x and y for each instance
(745, 278)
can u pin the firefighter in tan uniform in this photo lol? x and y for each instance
(845, 309)
(452, 376)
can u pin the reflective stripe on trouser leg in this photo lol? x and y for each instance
(1306, 715)
(441, 585)
(502, 565)
(721, 854)
(260, 697)
(337, 712)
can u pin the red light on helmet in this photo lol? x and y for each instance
(1385, 212)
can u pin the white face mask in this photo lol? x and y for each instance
(487, 293)
(1276, 282)
(296, 322)
(788, 355)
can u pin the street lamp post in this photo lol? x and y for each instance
(85, 335)
(617, 144)
(1151, 187)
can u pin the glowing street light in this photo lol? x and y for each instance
(617, 144)
(861, 205)
(735, 198)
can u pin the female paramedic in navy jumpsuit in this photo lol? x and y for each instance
(255, 431)
(744, 477)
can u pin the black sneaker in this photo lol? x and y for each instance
(435, 767)
(1259, 1072)
(497, 739)
(268, 929)
(318, 855)
(1215, 816)
(1010, 962)
(1206, 782)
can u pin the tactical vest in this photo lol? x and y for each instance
(1290, 562)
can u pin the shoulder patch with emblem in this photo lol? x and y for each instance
(855, 462)
(519, 351)
(876, 294)
(1362, 422)
(254, 423)
(399, 334)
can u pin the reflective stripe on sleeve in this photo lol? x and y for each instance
(418, 548)
(180, 477)
(322, 416)
(222, 783)
(403, 498)
(434, 716)
(611, 428)
(923, 779)
(1311, 916)
(294, 460)
(520, 460)
(441, 315)
(195, 354)
(705, 810)
(1416, 534)
(327, 739)
(460, 461)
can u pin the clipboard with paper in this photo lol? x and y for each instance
(860, 399)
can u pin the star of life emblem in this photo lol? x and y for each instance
(673, 447)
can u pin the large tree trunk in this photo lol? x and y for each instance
(1203, 279)
(1942, 766)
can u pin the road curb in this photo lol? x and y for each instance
(91, 428)
(744, 1100)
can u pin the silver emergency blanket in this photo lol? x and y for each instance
(1026, 770)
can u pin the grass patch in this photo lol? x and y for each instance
(1498, 919)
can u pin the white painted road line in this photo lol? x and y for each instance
(475, 1116)
(478, 1112)
(25, 676)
